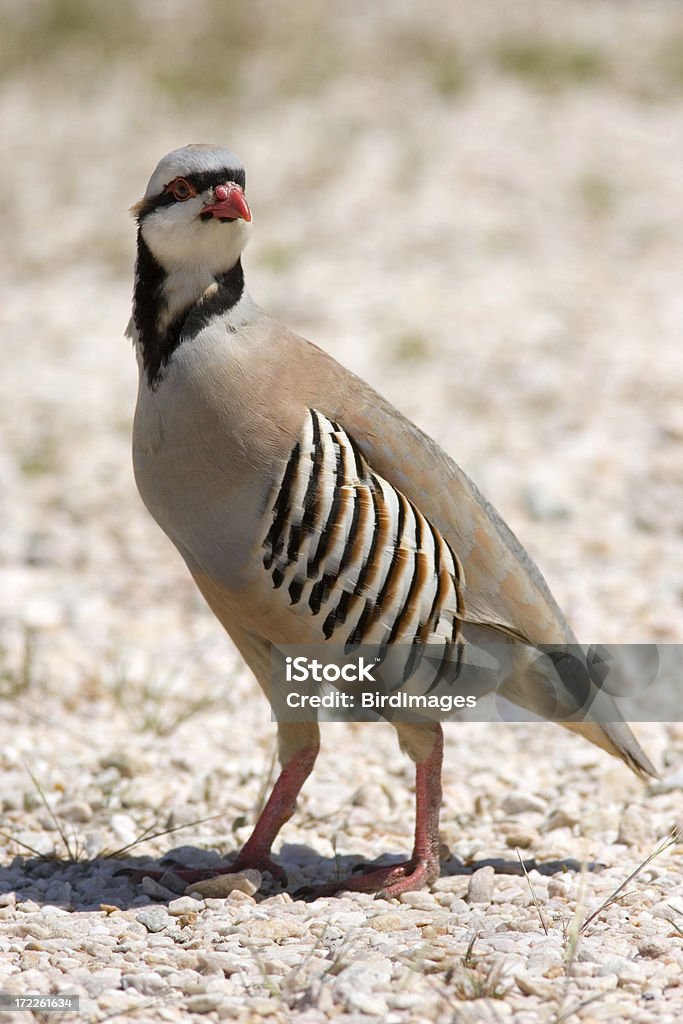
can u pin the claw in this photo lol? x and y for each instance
(385, 882)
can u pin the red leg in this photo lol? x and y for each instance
(280, 807)
(423, 866)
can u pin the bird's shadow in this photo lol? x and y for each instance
(115, 883)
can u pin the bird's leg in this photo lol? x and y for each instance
(280, 807)
(423, 866)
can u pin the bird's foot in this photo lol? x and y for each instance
(262, 863)
(385, 882)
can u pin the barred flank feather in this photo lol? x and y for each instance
(351, 550)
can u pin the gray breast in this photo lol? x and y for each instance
(194, 477)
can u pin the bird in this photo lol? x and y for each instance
(307, 508)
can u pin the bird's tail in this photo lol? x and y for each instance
(617, 739)
(557, 683)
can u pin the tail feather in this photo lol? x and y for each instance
(617, 739)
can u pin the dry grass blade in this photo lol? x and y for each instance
(680, 913)
(619, 893)
(470, 981)
(72, 855)
(148, 834)
(573, 934)
(14, 683)
(484, 983)
(298, 992)
(531, 890)
(24, 846)
(469, 959)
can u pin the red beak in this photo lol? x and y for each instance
(230, 204)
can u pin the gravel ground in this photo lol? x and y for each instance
(481, 212)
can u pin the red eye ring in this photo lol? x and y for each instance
(181, 190)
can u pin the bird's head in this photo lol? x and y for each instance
(194, 212)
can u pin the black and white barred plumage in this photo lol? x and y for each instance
(352, 551)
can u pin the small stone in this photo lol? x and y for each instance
(531, 986)
(653, 948)
(101, 981)
(236, 896)
(204, 1002)
(54, 913)
(562, 817)
(28, 907)
(125, 764)
(224, 964)
(95, 843)
(386, 922)
(370, 1003)
(274, 928)
(278, 898)
(247, 882)
(261, 1006)
(174, 883)
(521, 837)
(124, 828)
(154, 919)
(184, 905)
(187, 980)
(518, 802)
(421, 900)
(452, 883)
(59, 892)
(480, 888)
(619, 967)
(556, 888)
(155, 890)
(633, 829)
(148, 983)
(75, 810)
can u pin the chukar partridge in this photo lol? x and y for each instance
(306, 507)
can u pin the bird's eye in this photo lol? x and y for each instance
(181, 189)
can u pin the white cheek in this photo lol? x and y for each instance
(169, 232)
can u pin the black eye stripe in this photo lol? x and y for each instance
(201, 181)
(207, 179)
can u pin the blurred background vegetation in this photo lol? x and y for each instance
(301, 46)
(87, 80)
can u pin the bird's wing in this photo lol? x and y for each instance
(498, 586)
(502, 586)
